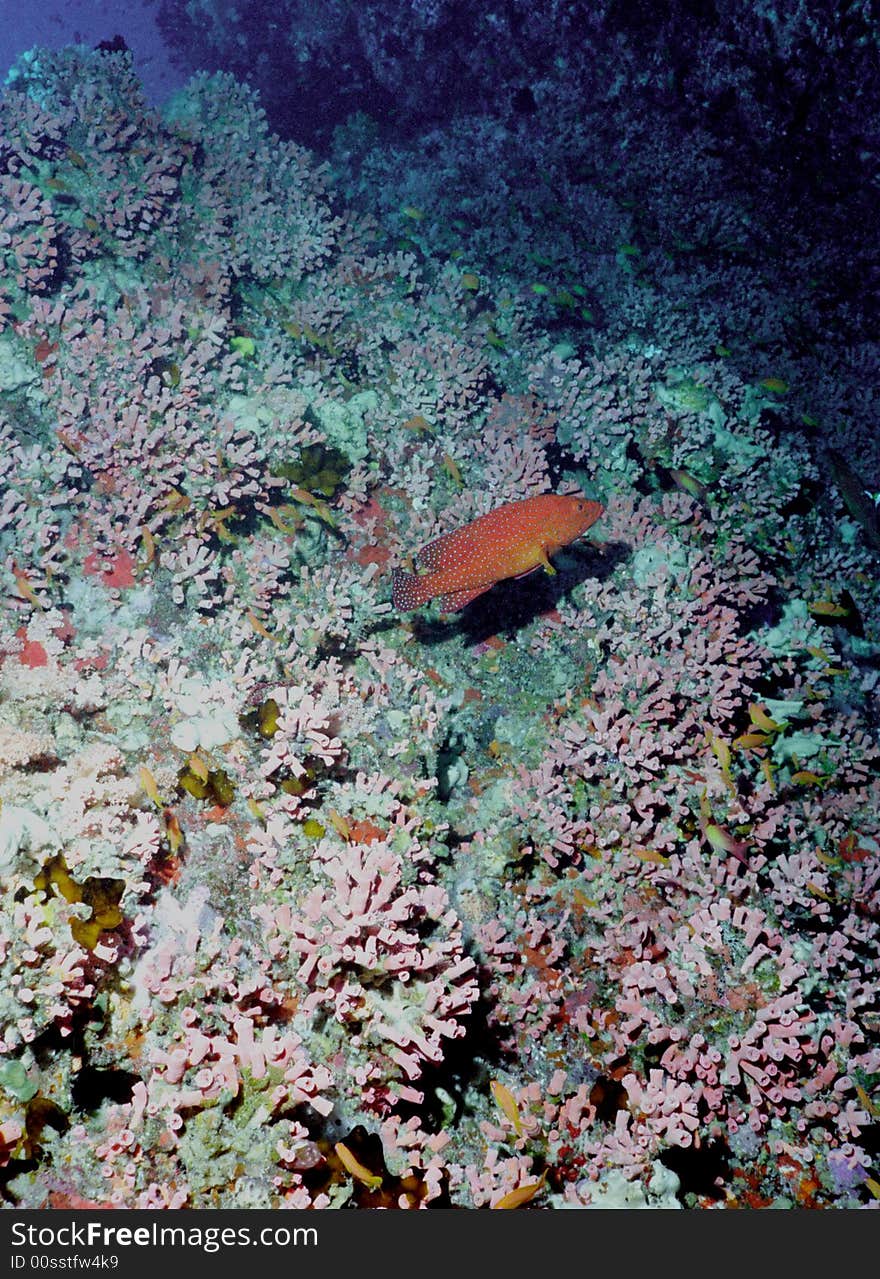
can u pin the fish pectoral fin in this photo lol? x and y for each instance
(545, 563)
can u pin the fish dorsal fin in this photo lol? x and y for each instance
(430, 556)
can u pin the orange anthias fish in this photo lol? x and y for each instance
(511, 541)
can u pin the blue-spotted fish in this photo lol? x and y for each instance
(511, 541)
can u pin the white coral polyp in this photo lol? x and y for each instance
(207, 723)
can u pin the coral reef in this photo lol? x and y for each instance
(566, 901)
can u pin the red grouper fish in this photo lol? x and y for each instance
(510, 541)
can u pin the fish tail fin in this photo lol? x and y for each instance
(409, 590)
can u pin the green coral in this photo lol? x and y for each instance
(320, 468)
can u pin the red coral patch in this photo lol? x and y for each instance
(32, 654)
(114, 570)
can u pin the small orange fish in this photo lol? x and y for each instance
(507, 1104)
(511, 541)
(522, 1194)
(353, 1165)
